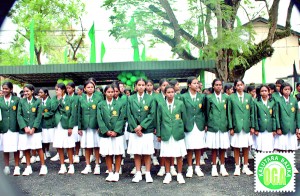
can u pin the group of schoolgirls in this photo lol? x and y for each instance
(183, 124)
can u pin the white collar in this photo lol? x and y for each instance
(192, 96)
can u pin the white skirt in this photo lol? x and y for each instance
(217, 140)
(172, 148)
(195, 139)
(89, 138)
(1, 145)
(264, 141)
(156, 143)
(112, 145)
(30, 142)
(10, 141)
(61, 138)
(140, 145)
(77, 137)
(286, 142)
(241, 140)
(47, 135)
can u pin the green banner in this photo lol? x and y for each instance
(263, 71)
(93, 44)
(103, 50)
(32, 53)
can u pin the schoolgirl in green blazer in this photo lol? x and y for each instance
(217, 137)
(171, 118)
(9, 128)
(265, 121)
(29, 119)
(88, 126)
(141, 111)
(194, 125)
(241, 124)
(111, 117)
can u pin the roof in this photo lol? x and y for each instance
(263, 20)
(47, 75)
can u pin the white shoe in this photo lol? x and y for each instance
(143, 170)
(48, 155)
(250, 155)
(175, 161)
(80, 153)
(131, 156)
(133, 171)
(87, 169)
(137, 177)
(237, 170)
(17, 171)
(116, 177)
(214, 171)
(223, 171)
(110, 177)
(189, 172)
(71, 169)
(43, 170)
(226, 155)
(92, 158)
(202, 162)
(97, 170)
(180, 179)
(199, 172)
(167, 179)
(173, 171)
(247, 171)
(295, 170)
(205, 155)
(120, 171)
(67, 161)
(63, 169)
(155, 161)
(162, 171)
(194, 162)
(33, 159)
(76, 159)
(113, 167)
(23, 160)
(55, 158)
(6, 170)
(122, 162)
(148, 177)
(37, 159)
(27, 171)
(21, 154)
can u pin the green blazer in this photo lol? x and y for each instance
(111, 119)
(159, 98)
(216, 113)
(87, 112)
(142, 113)
(171, 124)
(287, 115)
(74, 102)
(265, 116)
(30, 115)
(62, 110)
(178, 96)
(195, 111)
(240, 115)
(47, 115)
(9, 115)
(98, 94)
(276, 96)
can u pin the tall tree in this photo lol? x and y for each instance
(207, 25)
(51, 18)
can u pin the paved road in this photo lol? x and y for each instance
(78, 184)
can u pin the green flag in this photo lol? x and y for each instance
(238, 21)
(93, 44)
(32, 42)
(143, 57)
(202, 78)
(134, 41)
(263, 71)
(66, 55)
(103, 50)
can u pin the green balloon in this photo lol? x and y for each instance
(123, 73)
(133, 79)
(128, 82)
(59, 81)
(65, 82)
(137, 73)
(119, 76)
(128, 75)
(124, 79)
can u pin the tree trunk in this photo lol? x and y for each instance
(38, 53)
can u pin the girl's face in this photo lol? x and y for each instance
(239, 86)
(278, 87)
(264, 92)
(109, 93)
(70, 90)
(177, 87)
(217, 87)
(163, 86)
(128, 93)
(194, 85)
(42, 94)
(253, 93)
(6, 91)
(116, 93)
(271, 91)
(170, 94)
(140, 86)
(79, 92)
(286, 91)
(157, 90)
(89, 88)
(28, 93)
(229, 91)
(59, 92)
(149, 87)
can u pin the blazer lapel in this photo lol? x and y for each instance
(264, 107)
(214, 99)
(165, 107)
(286, 107)
(239, 104)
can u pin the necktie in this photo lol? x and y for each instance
(140, 99)
(170, 108)
(218, 99)
(241, 99)
(194, 99)
(6, 102)
(109, 106)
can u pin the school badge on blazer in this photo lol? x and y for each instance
(177, 116)
(67, 107)
(14, 107)
(45, 110)
(94, 106)
(224, 106)
(247, 106)
(146, 108)
(271, 111)
(114, 113)
(200, 105)
(33, 109)
(293, 109)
